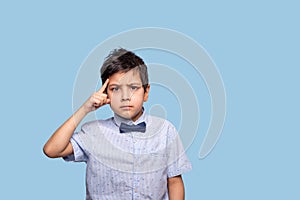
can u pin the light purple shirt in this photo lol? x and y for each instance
(129, 165)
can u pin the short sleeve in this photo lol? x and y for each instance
(79, 154)
(178, 162)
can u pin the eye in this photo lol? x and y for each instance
(134, 87)
(114, 89)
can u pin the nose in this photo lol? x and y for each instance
(126, 95)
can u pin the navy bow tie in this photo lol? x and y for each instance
(125, 128)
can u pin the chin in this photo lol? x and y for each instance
(126, 116)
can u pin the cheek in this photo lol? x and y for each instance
(137, 97)
(114, 98)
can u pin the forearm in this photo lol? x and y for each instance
(60, 139)
(59, 144)
(176, 188)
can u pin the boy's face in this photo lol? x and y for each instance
(127, 94)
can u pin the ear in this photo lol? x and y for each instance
(146, 94)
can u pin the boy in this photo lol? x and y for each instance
(131, 155)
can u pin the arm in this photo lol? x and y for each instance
(176, 188)
(59, 144)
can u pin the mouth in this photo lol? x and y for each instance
(126, 107)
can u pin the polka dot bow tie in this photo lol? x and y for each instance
(125, 128)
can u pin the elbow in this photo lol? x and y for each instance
(48, 151)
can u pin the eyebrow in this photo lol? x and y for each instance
(134, 83)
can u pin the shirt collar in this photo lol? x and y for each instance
(118, 119)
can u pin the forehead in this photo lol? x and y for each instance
(125, 77)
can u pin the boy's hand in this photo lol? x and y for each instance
(98, 99)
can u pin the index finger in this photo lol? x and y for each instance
(102, 89)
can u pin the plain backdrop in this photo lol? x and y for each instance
(254, 44)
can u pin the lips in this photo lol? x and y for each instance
(126, 107)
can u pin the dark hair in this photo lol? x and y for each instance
(122, 60)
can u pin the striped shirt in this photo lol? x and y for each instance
(131, 165)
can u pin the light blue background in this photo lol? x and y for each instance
(255, 45)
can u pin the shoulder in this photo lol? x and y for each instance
(156, 119)
(96, 124)
(162, 123)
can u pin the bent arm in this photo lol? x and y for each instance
(176, 188)
(59, 144)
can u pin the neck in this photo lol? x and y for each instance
(137, 115)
